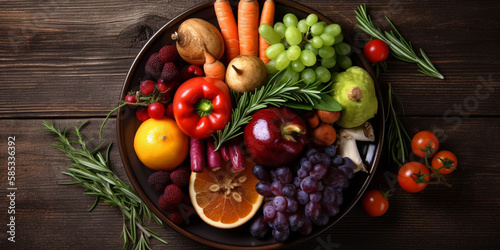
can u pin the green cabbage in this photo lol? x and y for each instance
(355, 91)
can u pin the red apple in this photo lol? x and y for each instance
(275, 136)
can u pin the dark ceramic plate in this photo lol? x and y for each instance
(196, 229)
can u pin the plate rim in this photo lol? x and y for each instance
(142, 194)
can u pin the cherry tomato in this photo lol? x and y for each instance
(374, 203)
(142, 114)
(169, 111)
(191, 71)
(156, 110)
(413, 177)
(162, 85)
(195, 70)
(376, 51)
(131, 98)
(424, 141)
(445, 161)
(147, 87)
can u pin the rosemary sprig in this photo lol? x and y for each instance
(274, 93)
(399, 47)
(397, 137)
(90, 169)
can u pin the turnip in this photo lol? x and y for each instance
(195, 36)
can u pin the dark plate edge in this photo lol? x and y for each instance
(136, 185)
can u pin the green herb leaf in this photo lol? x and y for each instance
(399, 47)
(397, 138)
(298, 105)
(273, 93)
(92, 171)
(327, 103)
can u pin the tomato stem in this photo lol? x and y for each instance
(428, 150)
(419, 177)
(440, 179)
(387, 194)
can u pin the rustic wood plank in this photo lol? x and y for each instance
(72, 51)
(462, 214)
(70, 59)
(47, 212)
(67, 61)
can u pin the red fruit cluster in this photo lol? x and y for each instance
(175, 195)
(159, 180)
(161, 80)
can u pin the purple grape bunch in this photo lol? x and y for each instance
(302, 196)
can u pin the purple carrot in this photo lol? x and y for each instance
(196, 152)
(213, 157)
(224, 151)
(237, 156)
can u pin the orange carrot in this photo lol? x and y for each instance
(214, 68)
(248, 24)
(267, 16)
(228, 28)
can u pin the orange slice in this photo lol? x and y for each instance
(224, 198)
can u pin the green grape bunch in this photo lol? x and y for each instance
(308, 49)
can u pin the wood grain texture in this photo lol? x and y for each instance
(465, 214)
(65, 61)
(91, 44)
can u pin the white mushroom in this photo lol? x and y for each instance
(346, 143)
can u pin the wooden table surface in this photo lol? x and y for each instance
(65, 61)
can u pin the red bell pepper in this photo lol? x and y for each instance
(202, 106)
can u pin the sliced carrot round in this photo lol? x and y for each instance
(224, 198)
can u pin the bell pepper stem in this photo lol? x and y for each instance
(203, 107)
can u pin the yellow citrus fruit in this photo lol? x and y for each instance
(224, 198)
(160, 144)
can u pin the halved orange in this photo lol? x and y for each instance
(224, 198)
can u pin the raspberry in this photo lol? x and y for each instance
(175, 216)
(169, 72)
(180, 177)
(154, 66)
(173, 195)
(169, 54)
(159, 180)
(165, 205)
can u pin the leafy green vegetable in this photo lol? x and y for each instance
(327, 103)
(298, 105)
